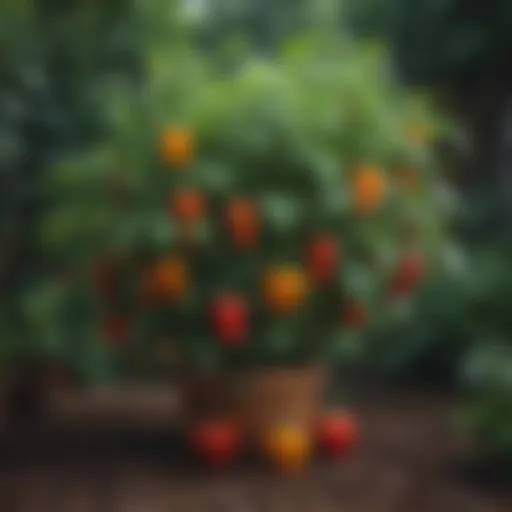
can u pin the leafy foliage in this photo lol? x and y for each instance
(487, 368)
(55, 56)
(290, 134)
(426, 338)
(441, 41)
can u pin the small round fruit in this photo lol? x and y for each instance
(168, 279)
(176, 146)
(322, 258)
(288, 447)
(215, 442)
(242, 222)
(188, 205)
(337, 433)
(284, 288)
(229, 316)
(369, 188)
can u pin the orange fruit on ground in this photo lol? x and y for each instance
(369, 188)
(169, 278)
(187, 204)
(176, 146)
(242, 222)
(288, 447)
(284, 288)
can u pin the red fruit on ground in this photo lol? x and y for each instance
(215, 442)
(337, 433)
(322, 258)
(230, 319)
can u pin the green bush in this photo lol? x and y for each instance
(55, 58)
(425, 339)
(292, 135)
(487, 369)
(444, 42)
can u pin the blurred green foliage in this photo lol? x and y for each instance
(465, 46)
(424, 340)
(285, 130)
(444, 42)
(63, 87)
(54, 56)
(486, 369)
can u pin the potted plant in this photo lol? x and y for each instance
(253, 222)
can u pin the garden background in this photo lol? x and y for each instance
(61, 64)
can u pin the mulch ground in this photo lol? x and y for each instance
(406, 462)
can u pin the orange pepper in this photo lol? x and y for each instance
(284, 288)
(169, 278)
(288, 447)
(176, 146)
(369, 188)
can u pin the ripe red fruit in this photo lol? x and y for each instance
(337, 433)
(230, 319)
(242, 222)
(408, 272)
(187, 204)
(353, 314)
(115, 330)
(215, 442)
(323, 256)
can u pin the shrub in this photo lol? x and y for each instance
(264, 216)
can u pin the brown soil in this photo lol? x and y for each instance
(405, 462)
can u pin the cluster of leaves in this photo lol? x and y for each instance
(425, 341)
(265, 23)
(289, 132)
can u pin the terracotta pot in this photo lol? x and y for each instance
(207, 397)
(270, 397)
